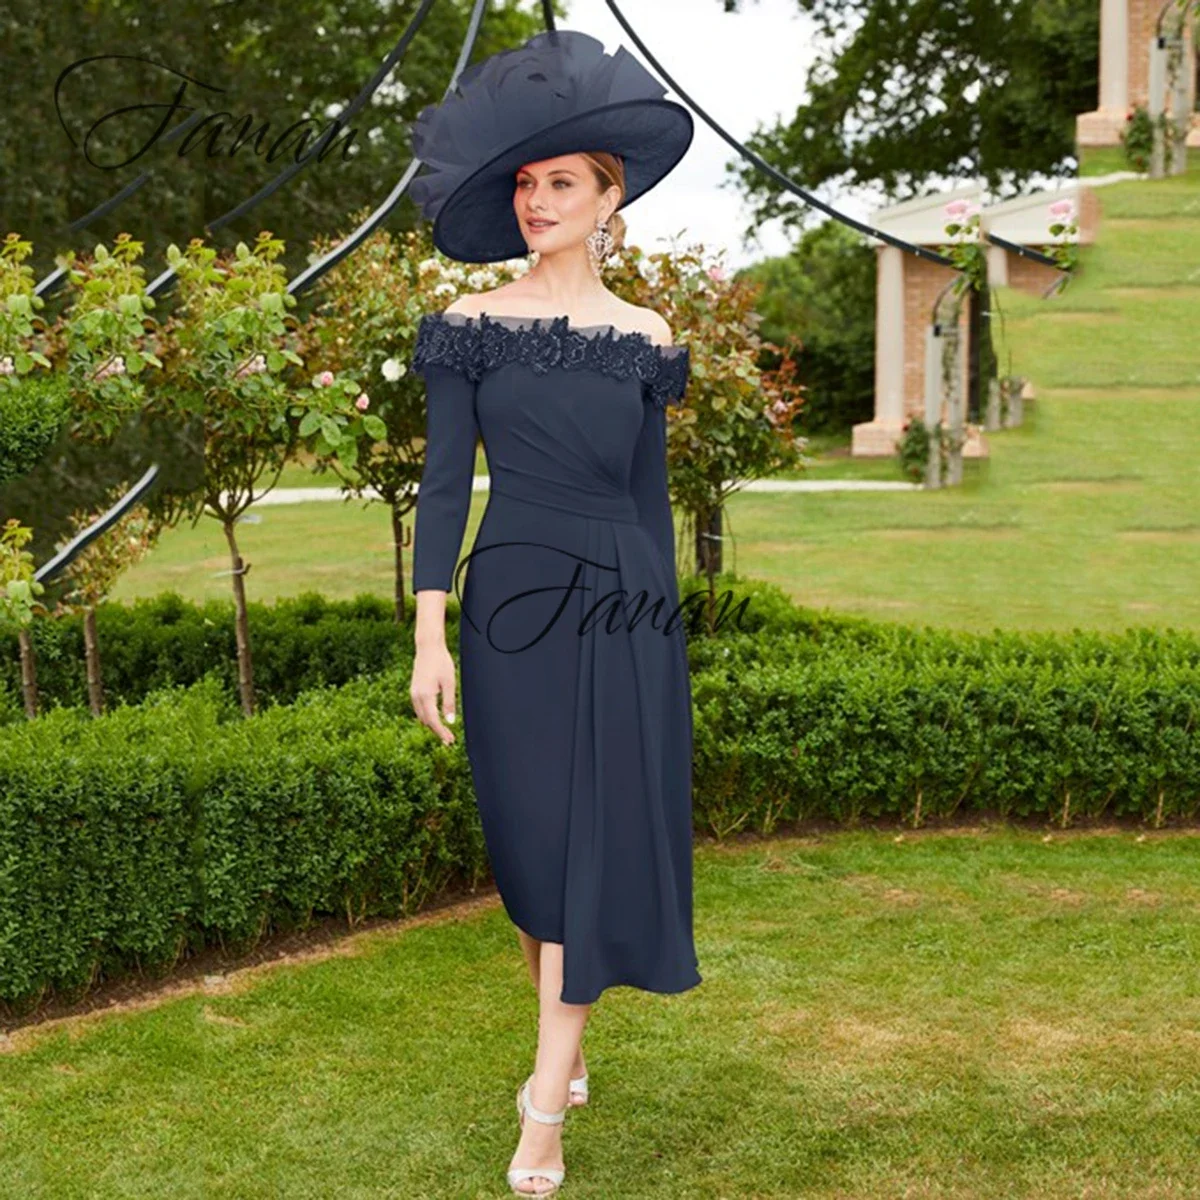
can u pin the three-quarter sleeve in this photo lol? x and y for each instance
(444, 493)
(648, 473)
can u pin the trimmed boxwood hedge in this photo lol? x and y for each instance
(127, 840)
(162, 827)
(298, 643)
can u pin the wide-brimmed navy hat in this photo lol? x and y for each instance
(560, 93)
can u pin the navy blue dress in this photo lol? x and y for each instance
(575, 696)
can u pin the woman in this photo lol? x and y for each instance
(576, 701)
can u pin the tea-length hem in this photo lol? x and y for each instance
(575, 698)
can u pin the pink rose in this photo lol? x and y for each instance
(362, 402)
(1061, 208)
(957, 208)
(716, 274)
(324, 379)
(114, 366)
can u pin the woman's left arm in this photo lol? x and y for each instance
(648, 474)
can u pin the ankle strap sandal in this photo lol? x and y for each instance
(555, 1175)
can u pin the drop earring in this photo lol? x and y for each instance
(600, 245)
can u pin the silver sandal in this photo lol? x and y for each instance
(516, 1175)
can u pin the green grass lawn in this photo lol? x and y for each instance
(976, 1014)
(1085, 516)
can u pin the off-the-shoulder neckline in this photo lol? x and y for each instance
(557, 322)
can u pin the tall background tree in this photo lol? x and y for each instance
(819, 303)
(906, 91)
(902, 96)
(276, 63)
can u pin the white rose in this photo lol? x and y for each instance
(392, 369)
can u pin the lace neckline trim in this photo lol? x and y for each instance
(474, 345)
(604, 329)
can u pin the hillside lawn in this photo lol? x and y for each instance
(1087, 515)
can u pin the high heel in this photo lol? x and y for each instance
(516, 1175)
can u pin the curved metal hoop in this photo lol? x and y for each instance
(352, 241)
(766, 168)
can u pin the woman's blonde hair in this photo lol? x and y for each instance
(609, 169)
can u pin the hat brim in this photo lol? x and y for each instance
(477, 223)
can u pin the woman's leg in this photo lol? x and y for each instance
(560, 1029)
(531, 948)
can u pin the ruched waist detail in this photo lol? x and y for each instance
(569, 499)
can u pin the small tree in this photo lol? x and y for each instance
(232, 367)
(111, 341)
(33, 412)
(230, 349)
(371, 303)
(736, 422)
(18, 601)
(94, 572)
(108, 338)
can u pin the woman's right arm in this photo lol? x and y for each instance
(443, 504)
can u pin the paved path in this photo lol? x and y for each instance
(305, 495)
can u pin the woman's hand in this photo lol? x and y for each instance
(433, 676)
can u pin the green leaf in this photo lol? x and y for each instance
(311, 423)
(375, 427)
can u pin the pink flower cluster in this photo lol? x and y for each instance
(114, 366)
(253, 366)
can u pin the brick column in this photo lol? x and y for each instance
(878, 437)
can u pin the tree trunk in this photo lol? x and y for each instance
(398, 543)
(241, 623)
(708, 543)
(708, 559)
(91, 650)
(29, 687)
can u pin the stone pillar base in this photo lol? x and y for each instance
(874, 439)
(1101, 128)
(976, 444)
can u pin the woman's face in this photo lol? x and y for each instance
(562, 192)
